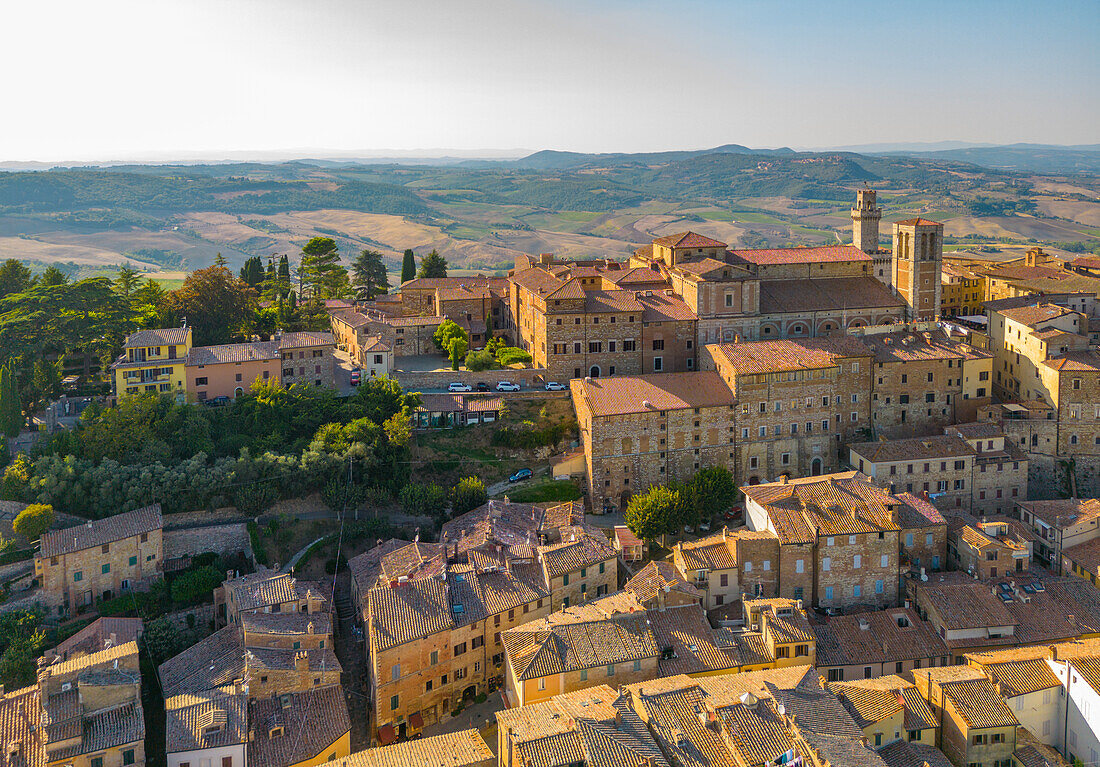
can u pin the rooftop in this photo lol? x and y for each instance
(162, 337)
(846, 503)
(811, 255)
(101, 531)
(456, 749)
(790, 354)
(916, 448)
(688, 240)
(876, 637)
(311, 722)
(211, 718)
(918, 222)
(623, 395)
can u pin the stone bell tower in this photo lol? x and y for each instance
(866, 216)
(918, 264)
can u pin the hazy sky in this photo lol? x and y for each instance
(125, 78)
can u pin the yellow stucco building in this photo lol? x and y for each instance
(152, 361)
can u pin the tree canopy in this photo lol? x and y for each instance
(654, 513)
(408, 265)
(321, 268)
(215, 304)
(34, 520)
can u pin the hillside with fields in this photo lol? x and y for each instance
(481, 215)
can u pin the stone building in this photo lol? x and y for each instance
(921, 375)
(917, 264)
(890, 709)
(985, 548)
(1060, 525)
(866, 217)
(962, 291)
(299, 729)
(434, 614)
(728, 564)
(838, 538)
(306, 358)
(640, 431)
(977, 726)
(923, 534)
(979, 472)
(265, 591)
(797, 399)
(78, 566)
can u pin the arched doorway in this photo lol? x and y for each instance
(469, 693)
(815, 467)
(238, 392)
(594, 371)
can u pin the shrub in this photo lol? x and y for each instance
(195, 586)
(256, 498)
(480, 360)
(512, 355)
(423, 500)
(33, 521)
(257, 545)
(530, 437)
(467, 495)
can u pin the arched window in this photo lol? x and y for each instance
(594, 371)
(815, 467)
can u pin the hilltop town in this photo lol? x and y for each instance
(704, 505)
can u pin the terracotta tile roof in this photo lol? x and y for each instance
(287, 623)
(902, 753)
(879, 698)
(312, 722)
(978, 703)
(108, 728)
(660, 307)
(918, 222)
(789, 354)
(915, 513)
(256, 351)
(654, 577)
(876, 637)
(300, 339)
(606, 301)
(213, 662)
(850, 753)
(715, 552)
(267, 587)
(1035, 313)
(456, 749)
(1086, 555)
(830, 294)
(20, 721)
(813, 255)
(162, 337)
(436, 283)
(904, 346)
(191, 719)
(409, 611)
(817, 710)
(579, 549)
(374, 344)
(101, 634)
(916, 448)
(366, 568)
(711, 269)
(621, 395)
(400, 322)
(641, 275)
(1076, 361)
(543, 647)
(684, 633)
(1015, 674)
(835, 504)
(688, 240)
(622, 533)
(594, 726)
(101, 531)
(983, 430)
(1032, 753)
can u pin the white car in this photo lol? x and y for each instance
(459, 386)
(554, 386)
(507, 386)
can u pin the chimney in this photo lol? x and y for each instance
(782, 479)
(509, 762)
(618, 719)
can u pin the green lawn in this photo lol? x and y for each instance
(547, 490)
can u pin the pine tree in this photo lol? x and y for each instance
(219, 260)
(408, 266)
(370, 273)
(433, 265)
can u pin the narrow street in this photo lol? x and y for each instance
(350, 653)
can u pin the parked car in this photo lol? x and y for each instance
(506, 386)
(221, 401)
(481, 386)
(737, 512)
(704, 527)
(356, 376)
(459, 386)
(554, 386)
(689, 529)
(521, 475)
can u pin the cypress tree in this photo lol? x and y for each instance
(408, 266)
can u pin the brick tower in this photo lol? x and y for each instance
(866, 216)
(918, 261)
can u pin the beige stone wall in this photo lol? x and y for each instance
(588, 583)
(843, 574)
(758, 560)
(928, 547)
(314, 366)
(917, 397)
(792, 583)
